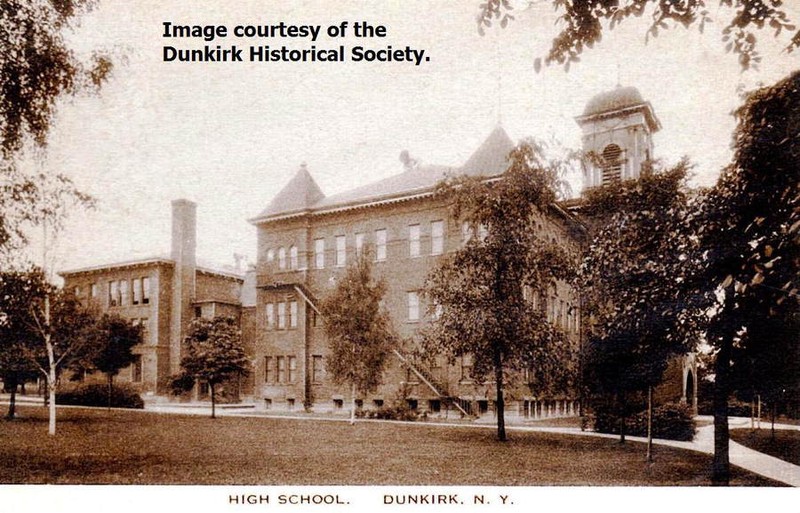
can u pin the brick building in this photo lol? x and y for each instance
(163, 294)
(306, 239)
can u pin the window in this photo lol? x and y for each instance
(466, 368)
(341, 251)
(290, 404)
(317, 369)
(281, 368)
(293, 314)
(338, 404)
(314, 317)
(292, 368)
(413, 306)
(612, 164)
(359, 243)
(145, 323)
(145, 290)
(136, 369)
(270, 255)
(269, 373)
(293, 257)
(413, 240)
(77, 291)
(270, 316)
(281, 315)
(437, 238)
(380, 245)
(113, 293)
(438, 310)
(95, 290)
(123, 292)
(281, 258)
(319, 253)
(198, 312)
(137, 291)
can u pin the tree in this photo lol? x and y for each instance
(18, 290)
(631, 279)
(214, 353)
(583, 22)
(480, 289)
(747, 232)
(36, 69)
(358, 330)
(114, 339)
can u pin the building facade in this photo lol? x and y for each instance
(163, 294)
(305, 241)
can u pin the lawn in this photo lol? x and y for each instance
(127, 447)
(785, 445)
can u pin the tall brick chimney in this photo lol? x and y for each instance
(184, 245)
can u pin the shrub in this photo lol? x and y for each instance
(97, 395)
(670, 421)
(398, 412)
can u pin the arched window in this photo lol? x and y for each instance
(270, 255)
(293, 257)
(612, 164)
(281, 258)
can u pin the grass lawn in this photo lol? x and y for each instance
(126, 447)
(785, 446)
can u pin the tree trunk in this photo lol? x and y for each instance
(621, 405)
(772, 415)
(110, 389)
(500, 405)
(650, 424)
(353, 405)
(12, 401)
(213, 401)
(51, 375)
(721, 466)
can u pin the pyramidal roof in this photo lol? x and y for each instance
(301, 193)
(491, 157)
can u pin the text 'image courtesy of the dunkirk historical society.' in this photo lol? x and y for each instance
(486, 255)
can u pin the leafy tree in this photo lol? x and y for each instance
(114, 338)
(747, 233)
(583, 22)
(36, 69)
(631, 280)
(18, 290)
(214, 353)
(358, 329)
(480, 288)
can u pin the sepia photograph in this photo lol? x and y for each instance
(482, 254)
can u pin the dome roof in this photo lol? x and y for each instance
(616, 99)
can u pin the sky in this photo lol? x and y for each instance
(228, 136)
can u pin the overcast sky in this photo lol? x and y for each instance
(229, 135)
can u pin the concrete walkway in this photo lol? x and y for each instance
(748, 459)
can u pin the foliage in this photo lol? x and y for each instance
(358, 329)
(670, 421)
(480, 288)
(115, 338)
(97, 395)
(747, 243)
(583, 22)
(398, 412)
(632, 279)
(36, 68)
(213, 353)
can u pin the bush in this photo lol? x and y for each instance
(399, 412)
(670, 421)
(97, 395)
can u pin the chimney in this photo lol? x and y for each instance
(184, 245)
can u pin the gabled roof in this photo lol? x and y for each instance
(490, 159)
(298, 195)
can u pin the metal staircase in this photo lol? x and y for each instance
(430, 382)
